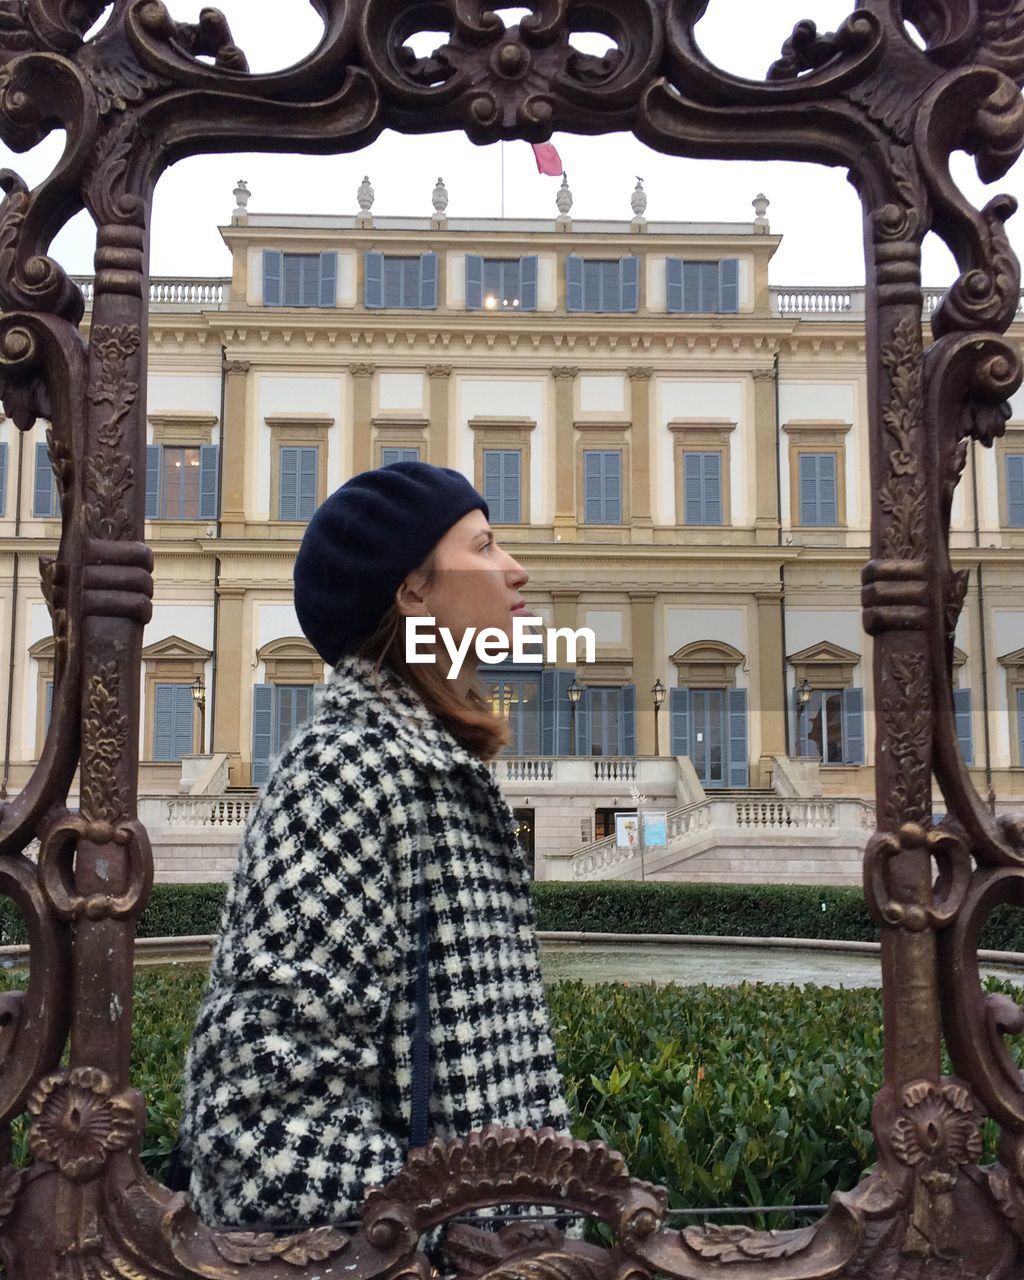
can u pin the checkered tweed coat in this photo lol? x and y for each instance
(297, 1083)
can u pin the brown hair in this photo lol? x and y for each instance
(468, 717)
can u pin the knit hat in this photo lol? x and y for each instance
(364, 540)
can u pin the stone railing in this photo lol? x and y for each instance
(840, 304)
(173, 292)
(658, 772)
(209, 811)
(780, 815)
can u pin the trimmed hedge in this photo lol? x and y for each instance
(611, 906)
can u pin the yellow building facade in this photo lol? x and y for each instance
(673, 445)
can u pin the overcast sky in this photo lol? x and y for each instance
(814, 209)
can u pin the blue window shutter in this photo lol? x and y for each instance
(592, 472)
(563, 715)
(392, 453)
(288, 498)
(674, 284)
(627, 719)
(163, 722)
(44, 503)
(828, 507)
(853, 726)
(629, 283)
(739, 766)
(328, 279)
(510, 485)
(712, 488)
(1020, 725)
(153, 452)
(373, 283)
(802, 722)
(209, 461)
(679, 721)
(272, 272)
(49, 703)
(3, 478)
(809, 489)
(428, 281)
(474, 281)
(307, 481)
(574, 283)
(613, 486)
(547, 712)
(1015, 490)
(262, 729)
(583, 722)
(729, 285)
(693, 488)
(964, 723)
(528, 282)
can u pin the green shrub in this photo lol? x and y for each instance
(611, 906)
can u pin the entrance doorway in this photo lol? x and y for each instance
(708, 738)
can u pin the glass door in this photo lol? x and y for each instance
(708, 736)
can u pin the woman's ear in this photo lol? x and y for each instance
(411, 596)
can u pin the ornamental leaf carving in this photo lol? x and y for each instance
(109, 472)
(104, 742)
(727, 1244)
(906, 704)
(244, 1247)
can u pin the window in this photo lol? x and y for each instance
(279, 710)
(173, 719)
(389, 455)
(45, 497)
(602, 486)
(3, 478)
(819, 503)
(709, 725)
(501, 284)
(964, 723)
(516, 696)
(594, 284)
(501, 485)
(298, 482)
(181, 482)
(702, 488)
(606, 721)
(1014, 490)
(830, 727)
(394, 282)
(299, 279)
(702, 286)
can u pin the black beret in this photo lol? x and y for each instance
(364, 540)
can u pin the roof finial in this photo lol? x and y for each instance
(242, 195)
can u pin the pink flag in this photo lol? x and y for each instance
(548, 159)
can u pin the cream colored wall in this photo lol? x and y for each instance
(401, 393)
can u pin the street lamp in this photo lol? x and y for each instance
(575, 692)
(658, 696)
(199, 698)
(803, 696)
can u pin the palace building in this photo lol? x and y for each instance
(673, 444)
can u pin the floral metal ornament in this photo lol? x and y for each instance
(155, 83)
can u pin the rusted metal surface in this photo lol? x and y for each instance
(149, 89)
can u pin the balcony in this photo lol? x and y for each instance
(799, 303)
(175, 294)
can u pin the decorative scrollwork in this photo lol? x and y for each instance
(954, 875)
(244, 1247)
(104, 741)
(906, 704)
(79, 1120)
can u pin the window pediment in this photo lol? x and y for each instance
(1014, 659)
(174, 648)
(291, 660)
(707, 664)
(824, 666)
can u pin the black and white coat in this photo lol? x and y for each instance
(297, 1083)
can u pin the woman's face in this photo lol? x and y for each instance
(474, 583)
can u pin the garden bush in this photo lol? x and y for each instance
(751, 1095)
(612, 906)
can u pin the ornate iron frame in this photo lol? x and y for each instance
(148, 90)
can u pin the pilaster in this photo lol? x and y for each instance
(644, 673)
(233, 450)
(770, 682)
(440, 412)
(362, 416)
(565, 452)
(766, 474)
(231, 676)
(640, 451)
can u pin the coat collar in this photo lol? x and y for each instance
(360, 694)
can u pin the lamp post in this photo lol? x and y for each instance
(803, 696)
(575, 692)
(199, 698)
(658, 696)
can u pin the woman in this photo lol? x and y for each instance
(380, 819)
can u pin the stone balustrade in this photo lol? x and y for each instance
(167, 293)
(829, 303)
